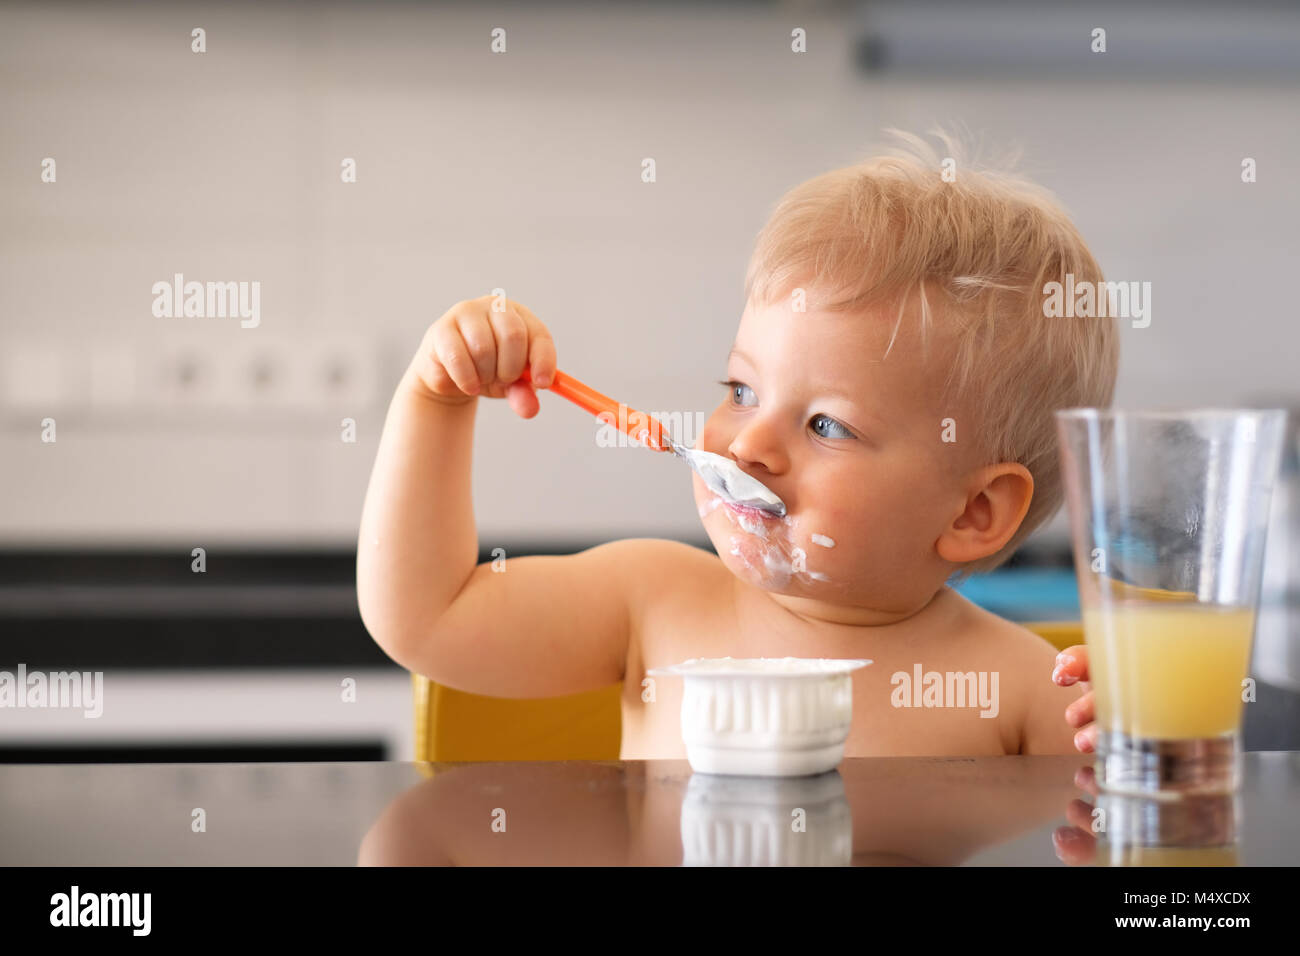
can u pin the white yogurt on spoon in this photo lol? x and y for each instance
(725, 478)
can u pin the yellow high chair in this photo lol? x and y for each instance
(451, 725)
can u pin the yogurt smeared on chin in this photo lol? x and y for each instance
(768, 550)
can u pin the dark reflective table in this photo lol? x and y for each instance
(1028, 811)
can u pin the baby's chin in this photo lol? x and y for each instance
(767, 553)
(764, 568)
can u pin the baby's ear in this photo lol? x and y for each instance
(997, 499)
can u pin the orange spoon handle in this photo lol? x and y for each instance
(637, 425)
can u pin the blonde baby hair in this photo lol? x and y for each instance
(974, 247)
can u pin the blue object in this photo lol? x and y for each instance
(1025, 594)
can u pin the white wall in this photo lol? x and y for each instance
(523, 171)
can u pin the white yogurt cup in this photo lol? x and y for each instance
(766, 821)
(765, 717)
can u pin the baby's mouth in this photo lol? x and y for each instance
(750, 512)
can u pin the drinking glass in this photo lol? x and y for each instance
(1168, 513)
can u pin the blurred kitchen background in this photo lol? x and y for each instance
(522, 170)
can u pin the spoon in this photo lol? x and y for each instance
(722, 475)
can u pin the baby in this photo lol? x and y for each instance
(892, 379)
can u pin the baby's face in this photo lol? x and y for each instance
(852, 444)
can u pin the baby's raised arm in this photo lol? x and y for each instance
(537, 626)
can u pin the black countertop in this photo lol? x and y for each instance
(1034, 811)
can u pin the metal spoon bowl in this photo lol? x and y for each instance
(724, 477)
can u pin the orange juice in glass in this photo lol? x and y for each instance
(1168, 512)
(1169, 671)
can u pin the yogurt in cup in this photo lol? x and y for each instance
(765, 717)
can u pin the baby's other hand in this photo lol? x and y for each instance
(1072, 667)
(476, 349)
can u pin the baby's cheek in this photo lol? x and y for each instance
(823, 549)
(706, 499)
(712, 517)
(840, 545)
(830, 532)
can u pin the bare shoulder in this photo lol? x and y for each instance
(657, 554)
(652, 569)
(662, 549)
(1034, 705)
(1016, 646)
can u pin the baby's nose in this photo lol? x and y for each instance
(758, 451)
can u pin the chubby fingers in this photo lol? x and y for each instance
(1071, 666)
(523, 399)
(480, 344)
(511, 334)
(453, 357)
(1085, 741)
(541, 349)
(1082, 713)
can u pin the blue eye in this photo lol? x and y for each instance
(738, 390)
(835, 429)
